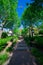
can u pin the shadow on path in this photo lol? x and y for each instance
(21, 55)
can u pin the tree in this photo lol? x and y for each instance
(32, 15)
(24, 32)
(8, 13)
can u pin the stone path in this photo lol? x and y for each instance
(21, 55)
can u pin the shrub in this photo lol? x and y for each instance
(41, 32)
(3, 42)
(11, 47)
(3, 58)
(39, 41)
(27, 40)
(4, 35)
(38, 54)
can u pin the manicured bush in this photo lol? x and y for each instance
(4, 35)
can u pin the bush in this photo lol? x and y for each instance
(27, 40)
(3, 42)
(41, 32)
(39, 41)
(3, 58)
(38, 54)
(4, 35)
(36, 41)
(10, 49)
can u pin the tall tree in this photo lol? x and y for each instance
(32, 15)
(8, 13)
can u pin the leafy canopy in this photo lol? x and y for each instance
(8, 13)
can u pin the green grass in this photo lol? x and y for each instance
(38, 54)
(3, 58)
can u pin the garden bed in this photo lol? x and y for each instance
(3, 42)
(3, 57)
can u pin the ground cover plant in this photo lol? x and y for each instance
(3, 58)
(3, 42)
(38, 55)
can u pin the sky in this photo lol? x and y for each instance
(22, 6)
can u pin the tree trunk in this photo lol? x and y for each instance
(31, 31)
(1, 31)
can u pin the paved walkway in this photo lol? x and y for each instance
(21, 55)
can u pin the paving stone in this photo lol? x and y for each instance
(21, 56)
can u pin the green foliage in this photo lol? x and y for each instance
(15, 37)
(8, 13)
(3, 42)
(32, 15)
(4, 35)
(36, 41)
(27, 40)
(3, 58)
(38, 7)
(39, 41)
(38, 54)
(41, 32)
(17, 31)
(41, 26)
(24, 31)
(10, 49)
